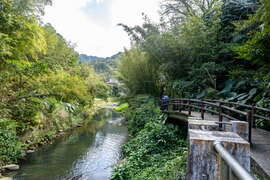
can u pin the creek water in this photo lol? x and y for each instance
(87, 153)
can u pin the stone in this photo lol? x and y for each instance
(5, 178)
(11, 167)
(76, 177)
(203, 125)
(241, 128)
(30, 151)
(204, 163)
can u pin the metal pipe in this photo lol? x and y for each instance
(237, 169)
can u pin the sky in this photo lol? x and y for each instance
(92, 24)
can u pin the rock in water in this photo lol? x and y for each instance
(30, 151)
(11, 167)
(76, 177)
(5, 178)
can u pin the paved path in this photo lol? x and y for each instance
(260, 149)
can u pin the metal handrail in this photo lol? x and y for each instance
(234, 165)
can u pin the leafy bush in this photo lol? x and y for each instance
(156, 149)
(143, 110)
(122, 107)
(61, 85)
(10, 146)
(43, 86)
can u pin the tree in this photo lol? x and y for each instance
(179, 10)
(59, 53)
(257, 29)
(21, 37)
(137, 72)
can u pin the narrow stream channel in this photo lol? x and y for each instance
(88, 152)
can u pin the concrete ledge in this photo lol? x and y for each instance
(194, 118)
(241, 128)
(205, 164)
(203, 125)
(216, 136)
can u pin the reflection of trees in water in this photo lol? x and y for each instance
(62, 159)
(106, 114)
(57, 160)
(114, 128)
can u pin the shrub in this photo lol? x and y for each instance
(10, 146)
(156, 151)
(122, 107)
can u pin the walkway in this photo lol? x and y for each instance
(260, 149)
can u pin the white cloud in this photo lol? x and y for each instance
(99, 1)
(92, 24)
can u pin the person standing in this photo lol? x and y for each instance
(165, 102)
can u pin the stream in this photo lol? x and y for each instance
(87, 153)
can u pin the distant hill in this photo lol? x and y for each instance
(86, 58)
(104, 66)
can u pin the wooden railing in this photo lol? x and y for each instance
(229, 110)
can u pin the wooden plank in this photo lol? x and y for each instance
(262, 117)
(234, 110)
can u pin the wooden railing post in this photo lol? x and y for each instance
(189, 108)
(202, 110)
(253, 112)
(220, 117)
(250, 125)
(179, 105)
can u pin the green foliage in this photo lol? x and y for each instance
(185, 53)
(104, 67)
(61, 85)
(20, 36)
(156, 150)
(59, 52)
(257, 28)
(198, 51)
(202, 49)
(143, 114)
(43, 87)
(11, 147)
(122, 107)
(131, 63)
(254, 50)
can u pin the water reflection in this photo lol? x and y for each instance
(88, 152)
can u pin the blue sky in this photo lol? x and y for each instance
(92, 24)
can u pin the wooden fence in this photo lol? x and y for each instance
(229, 110)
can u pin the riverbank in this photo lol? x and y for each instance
(64, 123)
(87, 152)
(155, 150)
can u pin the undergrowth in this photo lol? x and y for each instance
(155, 150)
